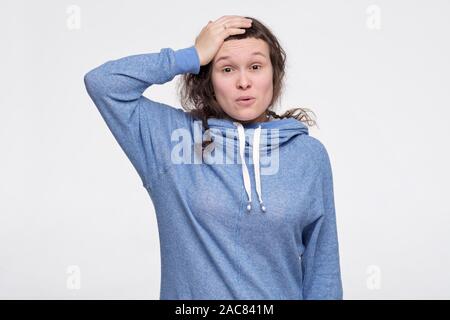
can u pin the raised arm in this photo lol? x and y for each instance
(140, 126)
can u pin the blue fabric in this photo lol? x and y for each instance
(211, 246)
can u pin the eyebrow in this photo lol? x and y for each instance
(257, 53)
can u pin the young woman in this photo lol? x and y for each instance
(202, 164)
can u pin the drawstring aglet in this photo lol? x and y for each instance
(263, 207)
(249, 206)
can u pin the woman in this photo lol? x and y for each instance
(216, 242)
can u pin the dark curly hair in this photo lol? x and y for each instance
(197, 93)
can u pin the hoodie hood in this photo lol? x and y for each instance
(253, 139)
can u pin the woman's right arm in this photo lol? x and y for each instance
(140, 126)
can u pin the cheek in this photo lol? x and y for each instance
(220, 85)
(268, 83)
(265, 84)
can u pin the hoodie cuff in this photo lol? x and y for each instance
(187, 60)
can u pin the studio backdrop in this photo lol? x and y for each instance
(75, 219)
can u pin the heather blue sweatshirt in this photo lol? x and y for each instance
(250, 217)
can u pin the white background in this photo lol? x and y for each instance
(70, 197)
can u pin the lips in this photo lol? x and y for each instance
(245, 98)
(245, 102)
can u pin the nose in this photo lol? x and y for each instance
(243, 81)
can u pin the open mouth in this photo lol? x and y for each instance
(245, 102)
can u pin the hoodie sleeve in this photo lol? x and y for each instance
(142, 127)
(320, 259)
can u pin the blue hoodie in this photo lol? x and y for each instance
(250, 217)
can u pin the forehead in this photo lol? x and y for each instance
(242, 49)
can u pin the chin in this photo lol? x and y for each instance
(245, 119)
(247, 116)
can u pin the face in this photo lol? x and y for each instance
(243, 68)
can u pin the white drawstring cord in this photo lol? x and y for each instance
(256, 139)
(245, 174)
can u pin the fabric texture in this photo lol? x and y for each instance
(218, 240)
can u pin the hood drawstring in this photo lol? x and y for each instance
(245, 174)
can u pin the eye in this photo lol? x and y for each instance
(255, 65)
